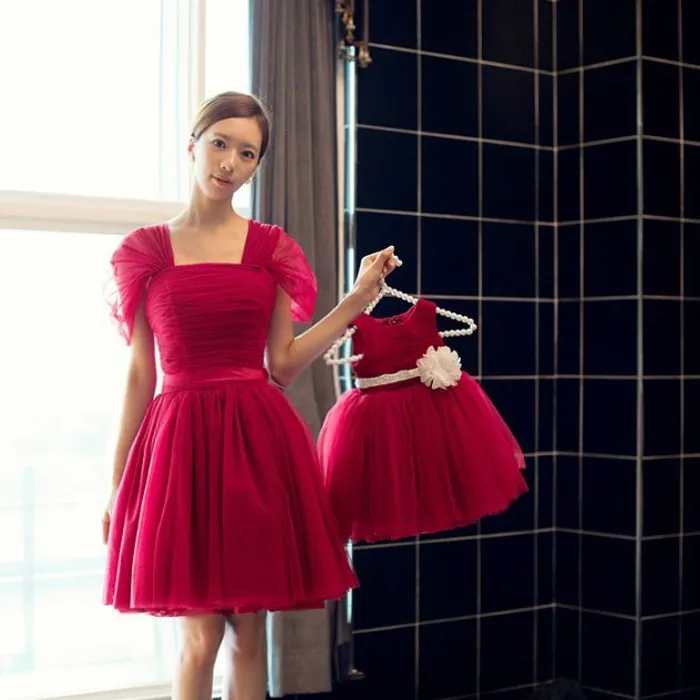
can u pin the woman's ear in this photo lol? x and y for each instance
(190, 148)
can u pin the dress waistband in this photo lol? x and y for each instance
(211, 377)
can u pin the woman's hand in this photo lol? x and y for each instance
(373, 269)
(107, 518)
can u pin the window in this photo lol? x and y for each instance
(98, 106)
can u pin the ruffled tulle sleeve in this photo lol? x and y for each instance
(133, 263)
(292, 272)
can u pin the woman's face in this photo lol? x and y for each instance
(226, 156)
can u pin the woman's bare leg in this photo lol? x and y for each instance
(201, 639)
(246, 660)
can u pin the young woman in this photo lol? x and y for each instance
(218, 512)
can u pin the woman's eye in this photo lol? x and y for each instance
(248, 154)
(218, 143)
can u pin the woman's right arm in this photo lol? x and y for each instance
(140, 389)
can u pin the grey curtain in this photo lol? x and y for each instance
(294, 74)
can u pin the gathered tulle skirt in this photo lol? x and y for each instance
(403, 460)
(222, 508)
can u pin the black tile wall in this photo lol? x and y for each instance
(627, 400)
(455, 166)
(536, 164)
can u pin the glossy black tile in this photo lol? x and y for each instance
(609, 495)
(610, 337)
(448, 579)
(605, 638)
(690, 648)
(690, 20)
(569, 477)
(610, 101)
(608, 574)
(567, 34)
(545, 645)
(387, 95)
(449, 177)
(568, 109)
(569, 261)
(387, 658)
(568, 187)
(691, 416)
(508, 260)
(662, 258)
(566, 650)
(450, 27)
(691, 259)
(545, 262)
(448, 659)
(662, 417)
(691, 572)
(508, 106)
(507, 565)
(546, 186)
(568, 570)
(691, 104)
(501, 322)
(660, 29)
(546, 414)
(610, 402)
(545, 492)
(507, 651)
(546, 334)
(610, 180)
(660, 662)
(459, 80)
(660, 99)
(508, 182)
(545, 38)
(377, 231)
(449, 257)
(662, 178)
(691, 174)
(384, 29)
(608, 30)
(388, 587)
(691, 488)
(691, 337)
(662, 496)
(387, 170)
(568, 338)
(662, 337)
(508, 34)
(567, 412)
(545, 568)
(610, 255)
(661, 584)
(515, 401)
(545, 133)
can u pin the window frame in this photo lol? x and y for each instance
(86, 214)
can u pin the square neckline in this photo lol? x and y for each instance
(167, 233)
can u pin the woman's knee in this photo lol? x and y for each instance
(201, 639)
(245, 634)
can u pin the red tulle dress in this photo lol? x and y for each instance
(222, 506)
(403, 458)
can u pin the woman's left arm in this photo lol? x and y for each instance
(287, 355)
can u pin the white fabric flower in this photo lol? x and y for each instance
(440, 368)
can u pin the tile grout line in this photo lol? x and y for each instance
(681, 524)
(639, 496)
(480, 292)
(419, 284)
